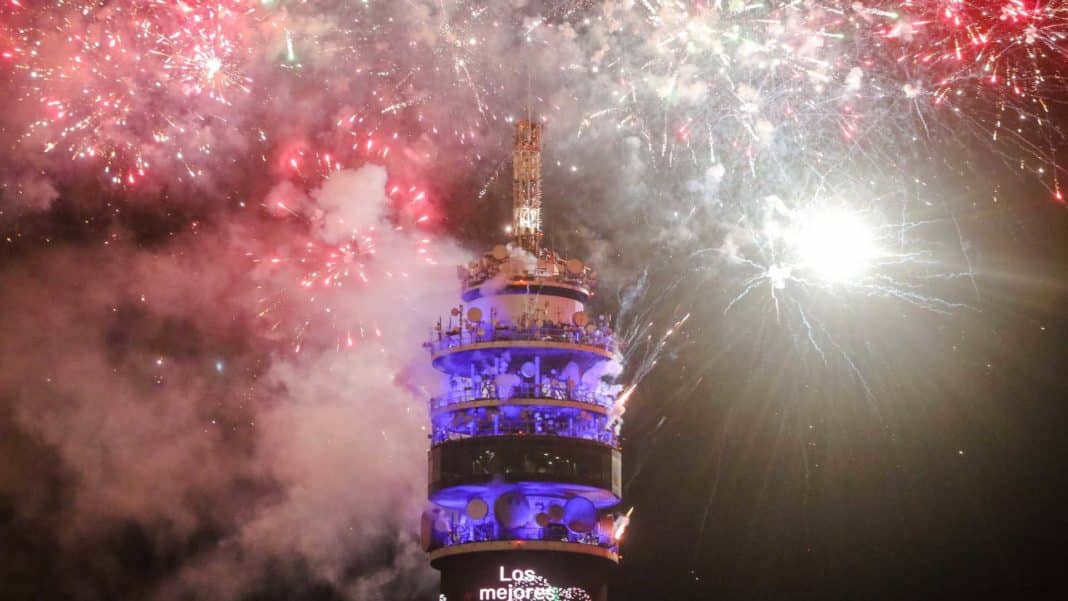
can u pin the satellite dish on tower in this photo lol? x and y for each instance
(574, 266)
(528, 370)
(580, 515)
(580, 318)
(499, 252)
(474, 314)
(556, 512)
(512, 509)
(476, 508)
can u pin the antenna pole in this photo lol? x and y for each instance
(530, 95)
(526, 185)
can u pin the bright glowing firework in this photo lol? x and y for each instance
(806, 264)
(832, 243)
(206, 59)
(830, 246)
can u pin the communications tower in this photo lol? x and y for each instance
(524, 462)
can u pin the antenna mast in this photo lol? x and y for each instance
(526, 185)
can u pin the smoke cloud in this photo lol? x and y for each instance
(147, 411)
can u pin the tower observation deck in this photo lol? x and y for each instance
(524, 463)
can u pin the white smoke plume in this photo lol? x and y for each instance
(170, 417)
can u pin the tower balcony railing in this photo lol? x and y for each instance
(478, 533)
(597, 429)
(548, 389)
(549, 268)
(548, 332)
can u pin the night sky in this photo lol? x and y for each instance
(226, 229)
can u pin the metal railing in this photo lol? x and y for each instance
(558, 273)
(595, 428)
(489, 532)
(489, 391)
(545, 333)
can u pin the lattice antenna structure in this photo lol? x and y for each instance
(526, 186)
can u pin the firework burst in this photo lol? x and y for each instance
(308, 277)
(129, 88)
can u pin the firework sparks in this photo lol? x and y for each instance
(126, 88)
(309, 276)
(739, 101)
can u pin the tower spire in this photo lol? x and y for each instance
(526, 185)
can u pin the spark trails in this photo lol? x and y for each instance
(716, 106)
(129, 88)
